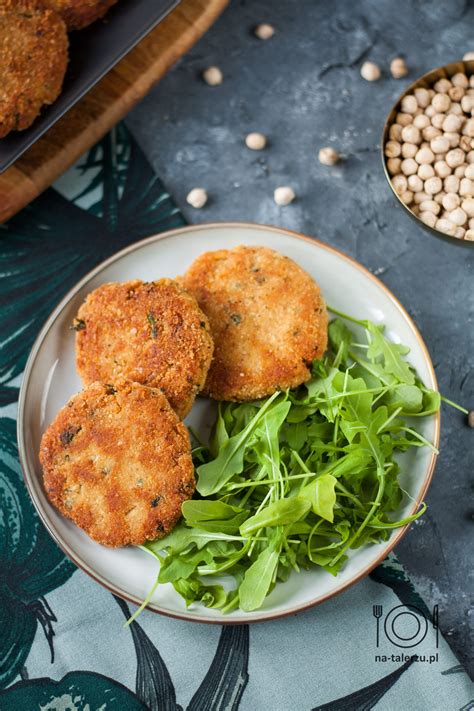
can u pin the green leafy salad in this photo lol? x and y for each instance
(300, 478)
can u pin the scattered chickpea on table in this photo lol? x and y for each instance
(430, 155)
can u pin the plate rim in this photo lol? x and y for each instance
(116, 590)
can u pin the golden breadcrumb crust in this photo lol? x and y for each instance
(268, 321)
(117, 461)
(33, 61)
(77, 14)
(151, 333)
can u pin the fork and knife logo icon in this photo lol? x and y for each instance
(404, 626)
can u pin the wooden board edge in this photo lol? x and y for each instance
(35, 171)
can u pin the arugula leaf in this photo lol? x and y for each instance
(230, 460)
(340, 339)
(298, 479)
(213, 515)
(182, 537)
(408, 397)
(321, 495)
(391, 353)
(280, 513)
(219, 435)
(258, 579)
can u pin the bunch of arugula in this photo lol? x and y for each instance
(298, 479)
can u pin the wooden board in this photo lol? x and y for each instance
(105, 104)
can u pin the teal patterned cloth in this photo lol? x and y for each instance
(62, 641)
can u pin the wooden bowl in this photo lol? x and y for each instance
(426, 81)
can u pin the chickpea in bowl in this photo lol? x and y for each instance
(428, 151)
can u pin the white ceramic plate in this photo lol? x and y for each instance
(50, 379)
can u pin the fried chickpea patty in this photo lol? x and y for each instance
(151, 333)
(33, 60)
(77, 14)
(117, 461)
(268, 321)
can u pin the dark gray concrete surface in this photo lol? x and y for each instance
(303, 89)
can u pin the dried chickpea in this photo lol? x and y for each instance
(455, 157)
(453, 139)
(451, 201)
(284, 195)
(429, 218)
(455, 108)
(409, 166)
(441, 102)
(446, 226)
(421, 197)
(460, 232)
(370, 71)
(411, 134)
(415, 183)
(468, 128)
(403, 119)
(430, 206)
(433, 185)
(439, 197)
(469, 235)
(439, 144)
(424, 155)
(430, 132)
(458, 217)
(466, 187)
(407, 197)
(395, 132)
(398, 68)
(264, 31)
(456, 93)
(438, 119)
(467, 103)
(197, 198)
(409, 104)
(422, 97)
(213, 76)
(393, 165)
(451, 123)
(409, 150)
(430, 111)
(442, 169)
(460, 170)
(471, 223)
(460, 79)
(328, 156)
(425, 171)
(470, 157)
(451, 184)
(420, 121)
(465, 143)
(468, 55)
(468, 207)
(400, 184)
(255, 141)
(469, 172)
(442, 86)
(392, 149)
